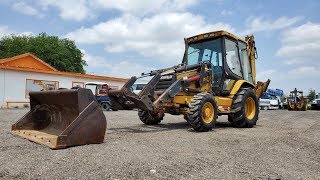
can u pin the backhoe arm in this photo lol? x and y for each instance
(261, 87)
(252, 56)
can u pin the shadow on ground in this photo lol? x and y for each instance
(164, 127)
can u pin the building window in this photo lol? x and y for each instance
(77, 84)
(40, 85)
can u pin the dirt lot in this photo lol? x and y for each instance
(283, 145)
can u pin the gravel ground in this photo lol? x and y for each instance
(283, 145)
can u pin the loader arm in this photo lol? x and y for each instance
(146, 100)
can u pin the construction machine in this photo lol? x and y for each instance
(296, 101)
(100, 90)
(217, 76)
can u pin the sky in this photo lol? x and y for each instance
(122, 38)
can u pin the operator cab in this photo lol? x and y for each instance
(227, 55)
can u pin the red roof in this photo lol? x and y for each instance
(29, 62)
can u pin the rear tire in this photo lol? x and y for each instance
(203, 112)
(246, 108)
(150, 118)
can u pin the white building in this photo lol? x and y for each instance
(26, 72)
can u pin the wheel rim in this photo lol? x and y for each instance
(207, 112)
(250, 108)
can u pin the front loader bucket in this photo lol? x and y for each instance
(62, 118)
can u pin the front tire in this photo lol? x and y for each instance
(304, 107)
(150, 118)
(186, 117)
(203, 112)
(246, 108)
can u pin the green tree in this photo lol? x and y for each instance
(311, 95)
(61, 54)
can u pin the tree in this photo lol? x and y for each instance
(61, 54)
(311, 95)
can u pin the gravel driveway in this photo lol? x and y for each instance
(283, 145)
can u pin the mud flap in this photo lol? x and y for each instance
(62, 118)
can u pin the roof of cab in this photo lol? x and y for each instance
(213, 34)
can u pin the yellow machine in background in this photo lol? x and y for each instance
(217, 77)
(296, 101)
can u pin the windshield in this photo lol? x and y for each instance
(205, 51)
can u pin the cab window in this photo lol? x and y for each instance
(232, 57)
(247, 75)
(205, 51)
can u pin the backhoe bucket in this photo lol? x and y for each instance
(62, 118)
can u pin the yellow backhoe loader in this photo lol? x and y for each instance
(217, 76)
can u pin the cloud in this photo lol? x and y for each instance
(143, 7)
(265, 74)
(260, 24)
(26, 9)
(6, 31)
(76, 10)
(119, 68)
(226, 12)
(301, 45)
(159, 36)
(127, 69)
(300, 50)
(79, 10)
(305, 71)
(94, 61)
